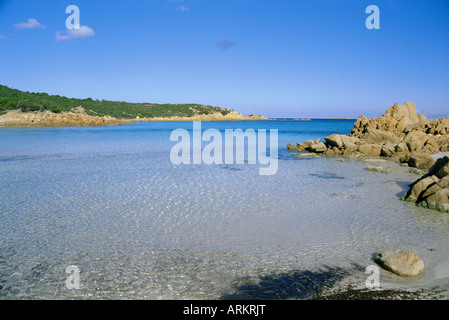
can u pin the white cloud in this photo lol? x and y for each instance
(30, 24)
(82, 32)
(3, 36)
(182, 8)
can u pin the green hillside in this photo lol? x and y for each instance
(12, 99)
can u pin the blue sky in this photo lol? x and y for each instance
(284, 58)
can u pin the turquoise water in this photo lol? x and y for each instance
(109, 201)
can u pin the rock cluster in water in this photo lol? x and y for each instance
(432, 189)
(400, 133)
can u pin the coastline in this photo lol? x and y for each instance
(17, 118)
(232, 116)
(79, 118)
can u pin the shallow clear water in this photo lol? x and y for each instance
(109, 200)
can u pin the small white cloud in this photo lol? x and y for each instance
(82, 32)
(3, 36)
(225, 44)
(182, 8)
(30, 24)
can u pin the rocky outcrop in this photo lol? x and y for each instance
(216, 116)
(395, 120)
(78, 117)
(400, 262)
(432, 189)
(401, 127)
(16, 118)
(400, 133)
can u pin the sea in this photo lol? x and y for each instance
(105, 213)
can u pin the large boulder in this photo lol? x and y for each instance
(369, 149)
(309, 143)
(421, 160)
(334, 140)
(388, 150)
(301, 146)
(298, 147)
(341, 141)
(319, 147)
(418, 188)
(438, 200)
(401, 148)
(401, 262)
(380, 137)
(436, 186)
(414, 140)
(431, 145)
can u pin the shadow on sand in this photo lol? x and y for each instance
(295, 284)
(319, 285)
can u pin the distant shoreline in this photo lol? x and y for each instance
(74, 118)
(17, 118)
(340, 118)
